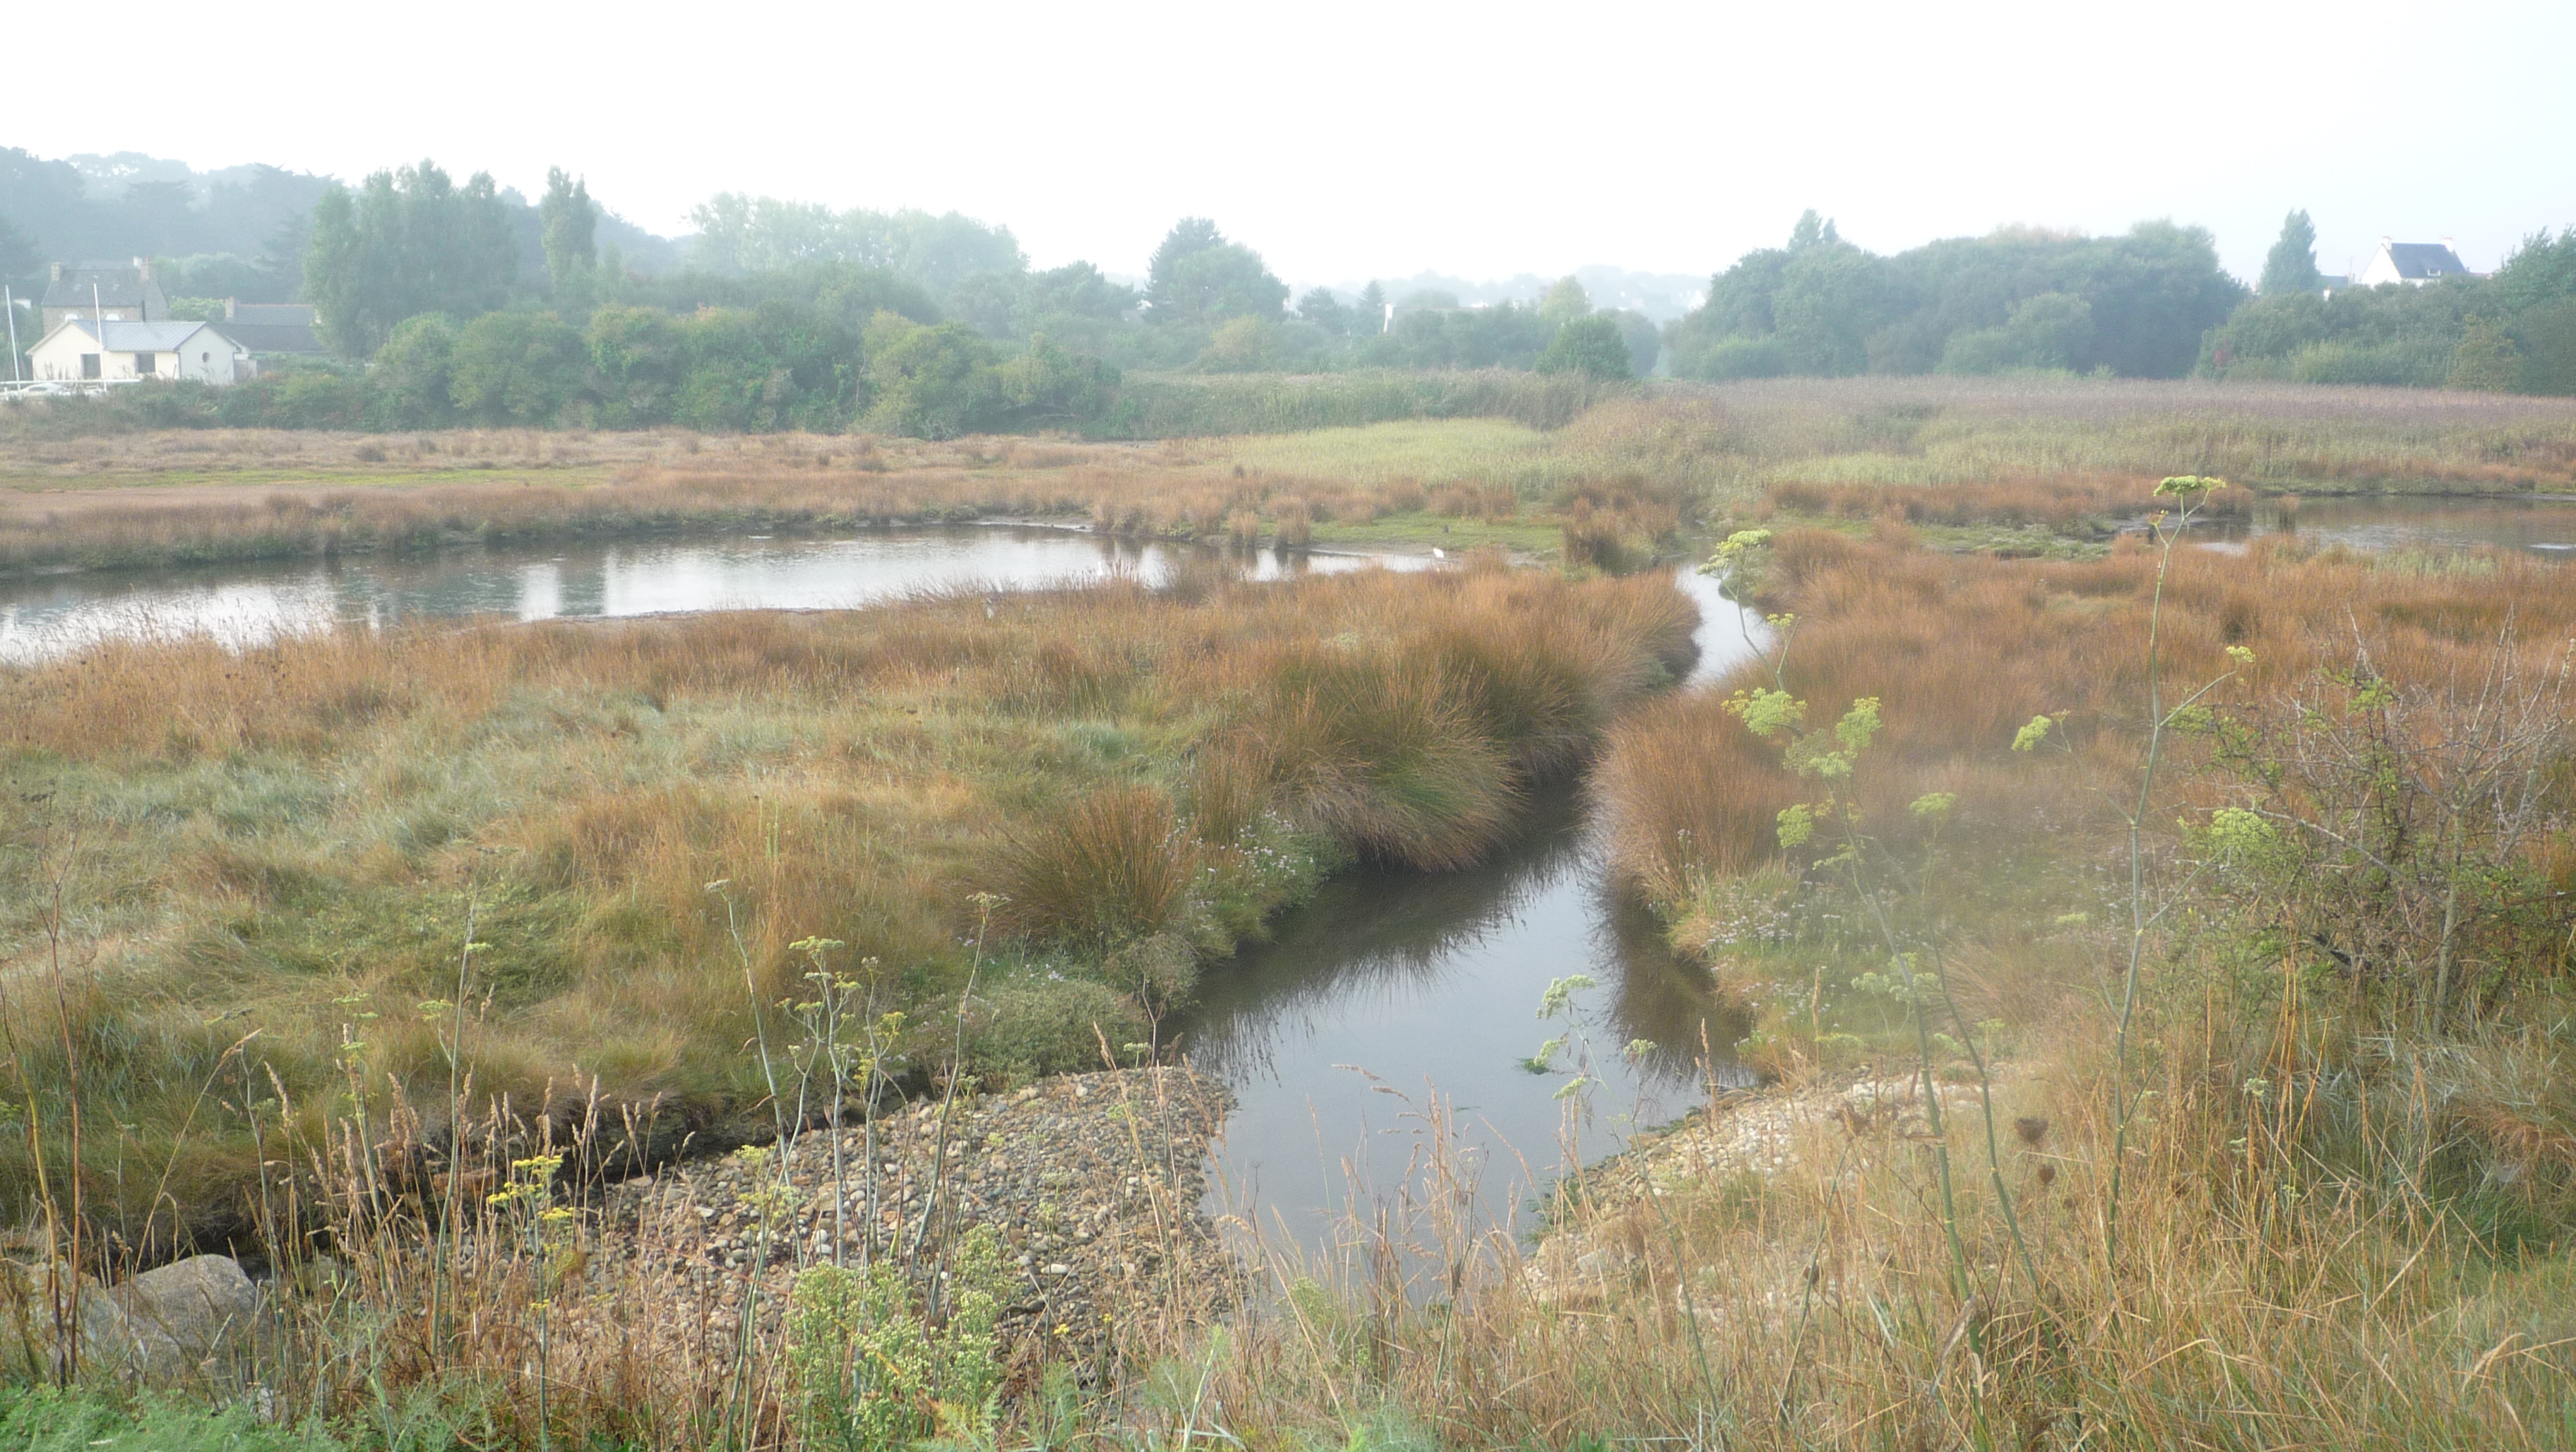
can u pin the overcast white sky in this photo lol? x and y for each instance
(1348, 140)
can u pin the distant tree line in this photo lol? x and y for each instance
(793, 316)
(2135, 306)
(449, 302)
(2512, 331)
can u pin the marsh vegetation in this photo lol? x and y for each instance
(2191, 1074)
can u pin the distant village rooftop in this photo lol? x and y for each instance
(2412, 263)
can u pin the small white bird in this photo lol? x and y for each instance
(1438, 553)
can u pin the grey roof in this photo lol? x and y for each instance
(117, 287)
(275, 315)
(2425, 259)
(274, 337)
(127, 337)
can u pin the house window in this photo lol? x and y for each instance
(144, 364)
(89, 365)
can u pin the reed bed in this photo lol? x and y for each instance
(614, 836)
(1962, 650)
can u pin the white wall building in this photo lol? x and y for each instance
(76, 351)
(2412, 263)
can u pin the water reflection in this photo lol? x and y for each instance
(246, 604)
(1396, 987)
(2543, 524)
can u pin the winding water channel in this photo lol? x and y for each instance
(1386, 1020)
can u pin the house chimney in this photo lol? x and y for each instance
(58, 272)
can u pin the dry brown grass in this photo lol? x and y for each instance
(286, 841)
(1962, 650)
(1793, 1286)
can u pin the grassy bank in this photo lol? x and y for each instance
(2258, 1137)
(1620, 471)
(236, 881)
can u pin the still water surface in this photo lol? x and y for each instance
(1396, 988)
(2543, 524)
(245, 604)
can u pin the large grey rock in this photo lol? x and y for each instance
(162, 1324)
(191, 1308)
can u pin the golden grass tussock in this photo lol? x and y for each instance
(1110, 867)
(265, 852)
(1962, 651)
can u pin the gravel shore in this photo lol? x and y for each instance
(1092, 1183)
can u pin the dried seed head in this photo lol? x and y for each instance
(2031, 1130)
(2047, 1175)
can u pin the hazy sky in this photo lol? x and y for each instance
(1349, 140)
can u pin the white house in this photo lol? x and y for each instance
(2412, 263)
(76, 350)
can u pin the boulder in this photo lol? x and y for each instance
(161, 1324)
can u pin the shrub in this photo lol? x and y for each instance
(1044, 1024)
(874, 1370)
(1591, 346)
(516, 368)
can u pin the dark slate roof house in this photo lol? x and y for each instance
(271, 329)
(124, 292)
(2412, 263)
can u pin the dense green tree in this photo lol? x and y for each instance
(740, 235)
(1645, 340)
(731, 379)
(413, 375)
(1371, 309)
(571, 228)
(2541, 271)
(407, 242)
(2391, 335)
(2486, 360)
(2291, 266)
(2549, 349)
(1565, 301)
(1075, 303)
(1325, 311)
(1199, 278)
(17, 254)
(1454, 337)
(932, 382)
(1592, 346)
(1812, 231)
(516, 368)
(1832, 298)
(1241, 345)
(637, 365)
(1047, 386)
(2053, 330)
(2155, 293)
